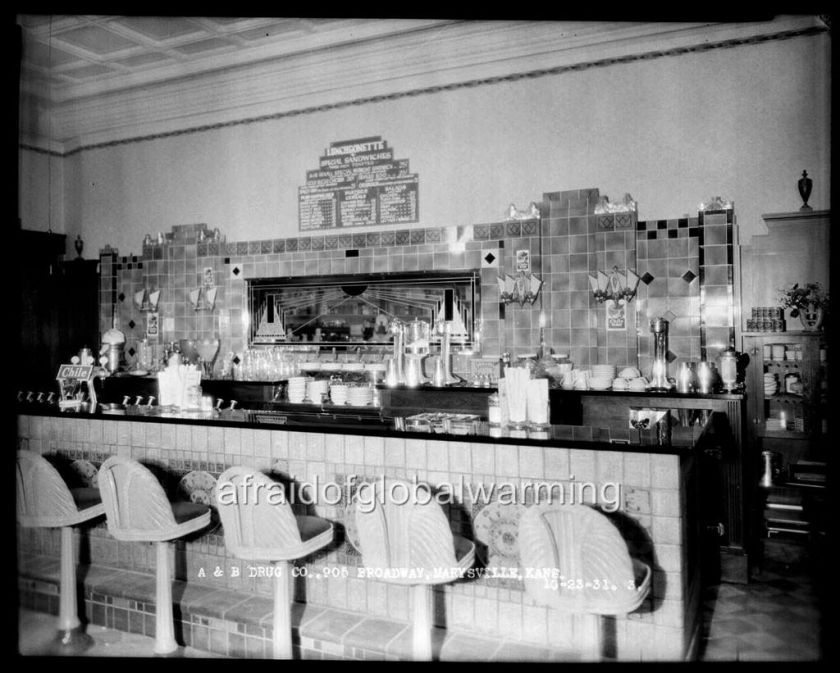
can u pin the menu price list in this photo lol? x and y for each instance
(358, 183)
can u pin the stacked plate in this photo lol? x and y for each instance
(602, 377)
(360, 396)
(771, 384)
(338, 393)
(315, 389)
(296, 390)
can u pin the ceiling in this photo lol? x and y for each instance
(75, 56)
(91, 80)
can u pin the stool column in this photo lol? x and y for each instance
(164, 621)
(421, 599)
(282, 631)
(68, 618)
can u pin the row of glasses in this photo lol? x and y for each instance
(269, 364)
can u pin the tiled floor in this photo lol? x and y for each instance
(774, 618)
(37, 629)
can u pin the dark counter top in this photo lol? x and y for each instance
(371, 422)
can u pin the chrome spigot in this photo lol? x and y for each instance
(29, 396)
(51, 398)
(232, 406)
(648, 419)
(20, 396)
(219, 404)
(40, 398)
(151, 399)
(126, 399)
(137, 400)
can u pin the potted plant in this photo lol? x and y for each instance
(808, 302)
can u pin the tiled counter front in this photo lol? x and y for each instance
(650, 516)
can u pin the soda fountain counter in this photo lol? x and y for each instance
(650, 478)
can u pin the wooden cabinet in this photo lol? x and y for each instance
(791, 424)
(57, 304)
(792, 420)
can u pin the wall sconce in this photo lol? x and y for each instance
(615, 286)
(203, 298)
(522, 288)
(146, 301)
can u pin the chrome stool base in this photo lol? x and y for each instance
(70, 642)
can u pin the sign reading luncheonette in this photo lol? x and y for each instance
(358, 182)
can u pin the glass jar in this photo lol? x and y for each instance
(527, 361)
(494, 410)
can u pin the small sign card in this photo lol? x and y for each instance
(616, 316)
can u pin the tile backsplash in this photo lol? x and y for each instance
(685, 265)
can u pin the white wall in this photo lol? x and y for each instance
(741, 122)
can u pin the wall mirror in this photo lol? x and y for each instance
(355, 310)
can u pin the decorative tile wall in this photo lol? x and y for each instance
(685, 265)
(717, 301)
(668, 254)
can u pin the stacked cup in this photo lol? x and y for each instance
(296, 390)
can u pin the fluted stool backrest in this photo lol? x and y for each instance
(415, 534)
(43, 497)
(255, 514)
(588, 551)
(134, 499)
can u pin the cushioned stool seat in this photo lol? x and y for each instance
(137, 509)
(399, 534)
(44, 500)
(259, 525)
(584, 548)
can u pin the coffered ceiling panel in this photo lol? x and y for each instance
(63, 54)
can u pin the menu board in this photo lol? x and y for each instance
(357, 183)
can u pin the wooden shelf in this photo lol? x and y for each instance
(783, 434)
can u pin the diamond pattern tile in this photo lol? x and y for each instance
(670, 356)
(131, 324)
(689, 276)
(647, 279)
(121, 296)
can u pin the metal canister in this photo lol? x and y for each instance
(729, 369)
(685, 378)
(705, 378)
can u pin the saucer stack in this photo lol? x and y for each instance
(360, 396)
(771, 384)
(338, 394)
(297, 389)
(602, 377)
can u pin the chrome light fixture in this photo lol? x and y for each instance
(522, 288)
(615, 286)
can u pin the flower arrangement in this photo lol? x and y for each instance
(807, 297)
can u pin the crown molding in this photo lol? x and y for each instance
(423, 61)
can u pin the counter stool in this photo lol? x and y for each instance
(44, 500)
(400, 533)
(138, 510)
(596, 575)
(259, 525)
